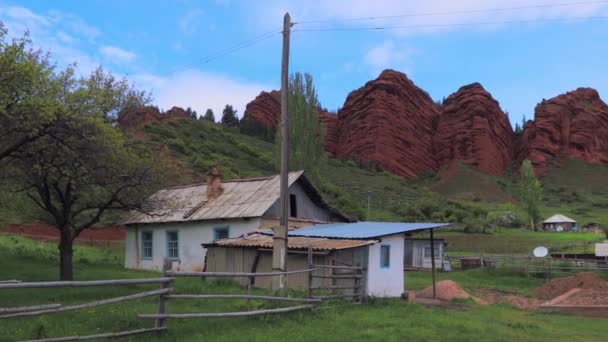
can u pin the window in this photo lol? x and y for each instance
(146, 245)
(385, 256)
(221, 233)
(172, 245)
(427, 252)
(293, 206)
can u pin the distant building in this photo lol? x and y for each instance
(418, 254)
(184, 217)
(560, 223)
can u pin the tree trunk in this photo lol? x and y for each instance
(66, 252)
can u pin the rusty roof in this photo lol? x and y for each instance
(241, 198)
(257, 240)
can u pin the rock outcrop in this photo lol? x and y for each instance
(389, 121)
(573, 125)
(473, 129)
(138, 117)
(265, 109)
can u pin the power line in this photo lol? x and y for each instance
(227, 51)
(428, 14)
(447, 25)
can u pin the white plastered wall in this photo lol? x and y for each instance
(191, 235)
(386, 282)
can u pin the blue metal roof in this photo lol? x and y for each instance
(362, 230)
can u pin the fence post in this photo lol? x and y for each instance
(310, 265)
(162, 299)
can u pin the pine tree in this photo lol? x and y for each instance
(208, 115)
(229, 118)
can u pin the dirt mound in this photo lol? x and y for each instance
(496, 296)
(445, 290)
(585, 281)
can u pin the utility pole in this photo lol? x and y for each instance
(369, 200)
(279, 240)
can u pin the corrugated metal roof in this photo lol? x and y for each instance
(559, 219)
(241, 198)
(318, 244)
(362, 230)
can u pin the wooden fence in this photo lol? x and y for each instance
(531, 265)
(166, 293)
(35, 310)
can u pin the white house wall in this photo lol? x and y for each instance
(305, 206)
(386, 282)
(190, 236)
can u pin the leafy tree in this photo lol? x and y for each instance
(530, 193)
(306, 133)
(209, 115)
(26, 105)
(229, 118)
(191, 113)
(85, 169)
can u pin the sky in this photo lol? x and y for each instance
(519, 55)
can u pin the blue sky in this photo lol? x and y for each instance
(556, 49)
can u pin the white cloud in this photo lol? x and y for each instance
(200, 90)
(386, 55)
(189, 23)
(116, 54)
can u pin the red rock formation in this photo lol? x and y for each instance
(473, 129)
(389, 121)
(330, 122)
(138, 117)
(265, 109)
(574, 125)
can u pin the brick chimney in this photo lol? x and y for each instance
(214, 183)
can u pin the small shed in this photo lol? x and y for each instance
(377, 247)
(559, 223)
(418, 254)
(253, 253)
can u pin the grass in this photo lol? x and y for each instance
(510, 241)
(380, 320)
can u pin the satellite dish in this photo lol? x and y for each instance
(540, 252)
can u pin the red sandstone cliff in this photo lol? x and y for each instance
(265, 109)
(473, 129)
(574, 125)
(389, 121)
(138, 117)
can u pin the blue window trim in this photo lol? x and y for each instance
(215, 229)
(167, 244)
(143, 255)
(389, 257)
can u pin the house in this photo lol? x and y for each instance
(559, 223)
(418, 254)
(181, 218)
(376, 246)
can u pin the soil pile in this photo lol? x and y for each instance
(496, 296)
(445, 290)
(590, 282)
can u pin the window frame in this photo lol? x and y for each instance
(167, 244)
(437, 254)
(221, 228)
(142, 246)
(388, 249)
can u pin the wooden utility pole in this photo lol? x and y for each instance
(279, 242)
(433, 263)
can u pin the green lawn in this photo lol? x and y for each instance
(511, 241)
(380, 320)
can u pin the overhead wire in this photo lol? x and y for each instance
(442, 13)
(371, 28)
(227, 51)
